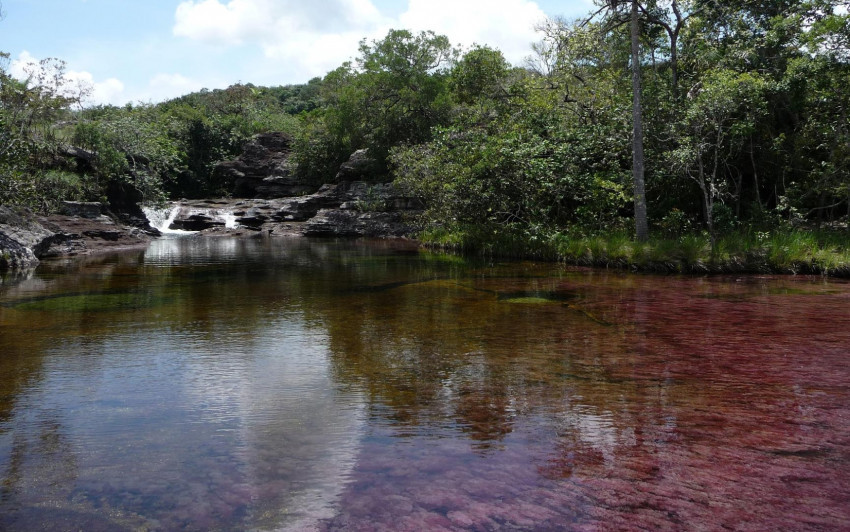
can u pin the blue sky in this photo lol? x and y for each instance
(130, 50)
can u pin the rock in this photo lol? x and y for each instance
(340, 222)
(359, 167)
(264, 170)
(344, 209)
(253, 217)
(22, 239)
(124, 201)
(380, 197)
(77, 235)
(305, 207)
(25, 238)
(83, 209)
(196, 222)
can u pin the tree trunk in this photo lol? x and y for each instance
(674, 64)
(755, 176)
(707, 199)
(641, 224)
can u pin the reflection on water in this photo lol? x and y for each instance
(294, 384)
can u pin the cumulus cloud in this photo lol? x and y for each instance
(504, 24)
(164, 86)
(311, 38)
(75, 82)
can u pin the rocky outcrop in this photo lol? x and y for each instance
(264, 170)
(124, 202)
(359, 167)
(351, 223)
(365, 209)
(22, 238)
(344, 209)
(25, 238)
(83, 209)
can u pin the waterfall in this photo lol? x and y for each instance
(161, 219)
(229, 220)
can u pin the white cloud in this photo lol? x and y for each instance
(109, 91)
(216, 23)
(504, 24)
(311, 38)
(18, 67)
(164, 86)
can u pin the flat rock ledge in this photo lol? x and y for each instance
(348, 209)
(82, 229)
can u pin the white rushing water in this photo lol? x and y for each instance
(162, 219)
(229, 220)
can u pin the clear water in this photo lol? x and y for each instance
(219, 384)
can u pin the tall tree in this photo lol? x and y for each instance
(616, 14)
(638, 163)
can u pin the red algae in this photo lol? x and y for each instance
(708, 404)
(328, 386)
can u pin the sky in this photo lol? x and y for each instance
(150, 51)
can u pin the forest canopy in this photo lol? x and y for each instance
(744, 114)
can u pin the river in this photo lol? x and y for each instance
(292, 384)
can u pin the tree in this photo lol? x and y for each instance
(615, 11)
(638, 165)
(479, 75)
(718, 121)
(394, 94)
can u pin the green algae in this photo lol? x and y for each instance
(530, 300)
(96, 302)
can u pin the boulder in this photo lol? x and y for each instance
(305, 207)
(125, 201)
(22, 239)
(196, 221)
(360, 166)
(264, 170)
(349, 223)
(385, 197)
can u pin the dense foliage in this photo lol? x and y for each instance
(744, 121)
(745, 124)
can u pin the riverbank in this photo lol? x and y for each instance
(783, 251)
(25, 238)
(83, 229)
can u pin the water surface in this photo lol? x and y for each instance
(319, 385)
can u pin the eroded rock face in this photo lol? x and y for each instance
(25, 238)
(83, 209)
(365, 209)
(359, 167)
(344, 209)
(22, 239)
(264, 170)
(340, 222)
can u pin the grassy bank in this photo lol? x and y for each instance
(782, 251)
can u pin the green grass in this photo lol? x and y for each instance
(780, 251)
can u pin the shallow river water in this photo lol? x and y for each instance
(218, 384)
